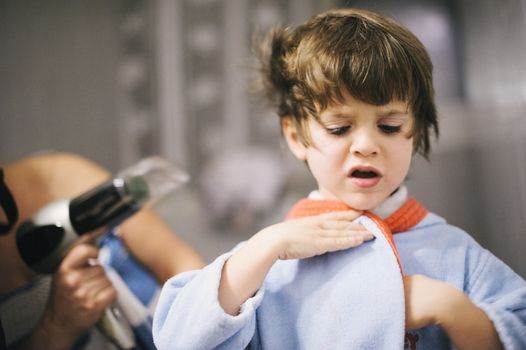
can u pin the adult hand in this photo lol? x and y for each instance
(79, 294)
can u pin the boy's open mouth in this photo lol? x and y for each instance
(364, 174)
(365, 177)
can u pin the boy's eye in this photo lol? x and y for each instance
(339, 130)
(389, 129)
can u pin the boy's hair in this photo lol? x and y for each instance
(372, 57)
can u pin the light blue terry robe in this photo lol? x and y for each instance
(350, 299)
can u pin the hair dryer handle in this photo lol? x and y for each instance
(115, 327)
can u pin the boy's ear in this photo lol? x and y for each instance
(291, 135)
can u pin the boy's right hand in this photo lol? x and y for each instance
(245, 270)
(316, 235)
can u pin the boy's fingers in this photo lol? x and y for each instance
(341, 225)
(340, 243)
(340, 215)
(340, 240)
(346, 233)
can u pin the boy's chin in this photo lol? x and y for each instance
(356, 200)
(363, 202)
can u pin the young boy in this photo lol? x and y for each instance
(354, 93)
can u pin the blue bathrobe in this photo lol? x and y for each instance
(350, 299)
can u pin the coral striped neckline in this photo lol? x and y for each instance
(403, 219)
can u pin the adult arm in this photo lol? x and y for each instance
(157, 246)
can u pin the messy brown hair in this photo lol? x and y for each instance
(373, 58)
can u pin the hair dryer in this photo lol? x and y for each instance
(45, 238)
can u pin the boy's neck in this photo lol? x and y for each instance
(386, 208)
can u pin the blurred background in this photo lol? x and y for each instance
(119, 80)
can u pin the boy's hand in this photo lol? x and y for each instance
(423, 300)
(316, 235)
(246, 269)
(432, 302)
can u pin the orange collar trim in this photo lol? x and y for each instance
(403, 219)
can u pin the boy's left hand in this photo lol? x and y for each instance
(433, 302)
(424, 299)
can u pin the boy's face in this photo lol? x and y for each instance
(359, 153)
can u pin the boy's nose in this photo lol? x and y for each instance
(363, 144)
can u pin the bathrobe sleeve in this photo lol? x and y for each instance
(449, 254)
(501, 293)
(188, 314)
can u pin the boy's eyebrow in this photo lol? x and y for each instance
(335, 116)
(339, 115)
(393, 112)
